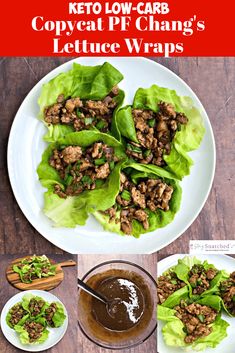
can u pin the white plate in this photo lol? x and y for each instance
(25, 148)
(55, 334)
(222, 262)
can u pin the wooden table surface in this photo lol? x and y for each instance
(87, 262)
(212, 79)
(66, 292)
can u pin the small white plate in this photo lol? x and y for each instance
(55, 335)
(26, 146)
(221, 262)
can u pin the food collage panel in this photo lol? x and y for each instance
(116, 205)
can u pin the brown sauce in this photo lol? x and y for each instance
(125, 304)
(130, 310)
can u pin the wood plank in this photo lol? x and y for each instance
(44, 283)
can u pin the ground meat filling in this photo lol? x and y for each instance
(34, 330)
(50, 311)
(196, 319)
(155, 131)
(200, 279)
(82, 114)
(35, 306)
(167, 285)
(133, 200)
(227, 290)
(17, 313)
(82, 169)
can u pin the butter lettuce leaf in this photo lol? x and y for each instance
(174, 335)
(74, 210)
(178, 162)
(59, 316)
(85, 82)
(24, 336)
(157, 219)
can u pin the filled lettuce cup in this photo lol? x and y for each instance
(146, 200)
(201, 277)
(170, 289)
(31, 317)
(82, 174)
(194, 325)
(227, 293)
(83, 98)
(160, 128)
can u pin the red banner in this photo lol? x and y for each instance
(124, 28)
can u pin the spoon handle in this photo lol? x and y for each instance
(91, 291)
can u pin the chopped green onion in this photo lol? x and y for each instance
(185, 330)
(173, 281)
(134, 148)
(78, 112)
(201, 317)
(100, 161)
(101, 124)
(234, 298)
(125, 195)
(87, 180)
(78, 164)
(146, 153)
(151, 122)
(69, 180)
(199, 281)
(88, 121)
(112, 165)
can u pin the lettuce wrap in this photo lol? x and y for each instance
(31, 317)
(193, 272)
(174, 331)
(187, 136)
(24, 335)
(34, 267)
(24, 315)
(73, 210)
(227, 293)
(156, 219)
(87, 83)
(55, 318)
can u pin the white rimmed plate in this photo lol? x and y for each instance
(26, 146)
(55, 335)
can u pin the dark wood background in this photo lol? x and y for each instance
(212, 79)
(66, 292)
(87, 262)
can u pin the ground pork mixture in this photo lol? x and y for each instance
(34, 330)
(196, 319)
(167, 285)
(82, 114)
(227, 290)
(200, 279)
(155, 131)
(50, 311)
(82, 169)
(133, 200)
(35, 306)
(17, 313)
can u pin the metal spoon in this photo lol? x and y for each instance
(91, 291)
(110, 304)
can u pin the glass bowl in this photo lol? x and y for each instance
(104, 337)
